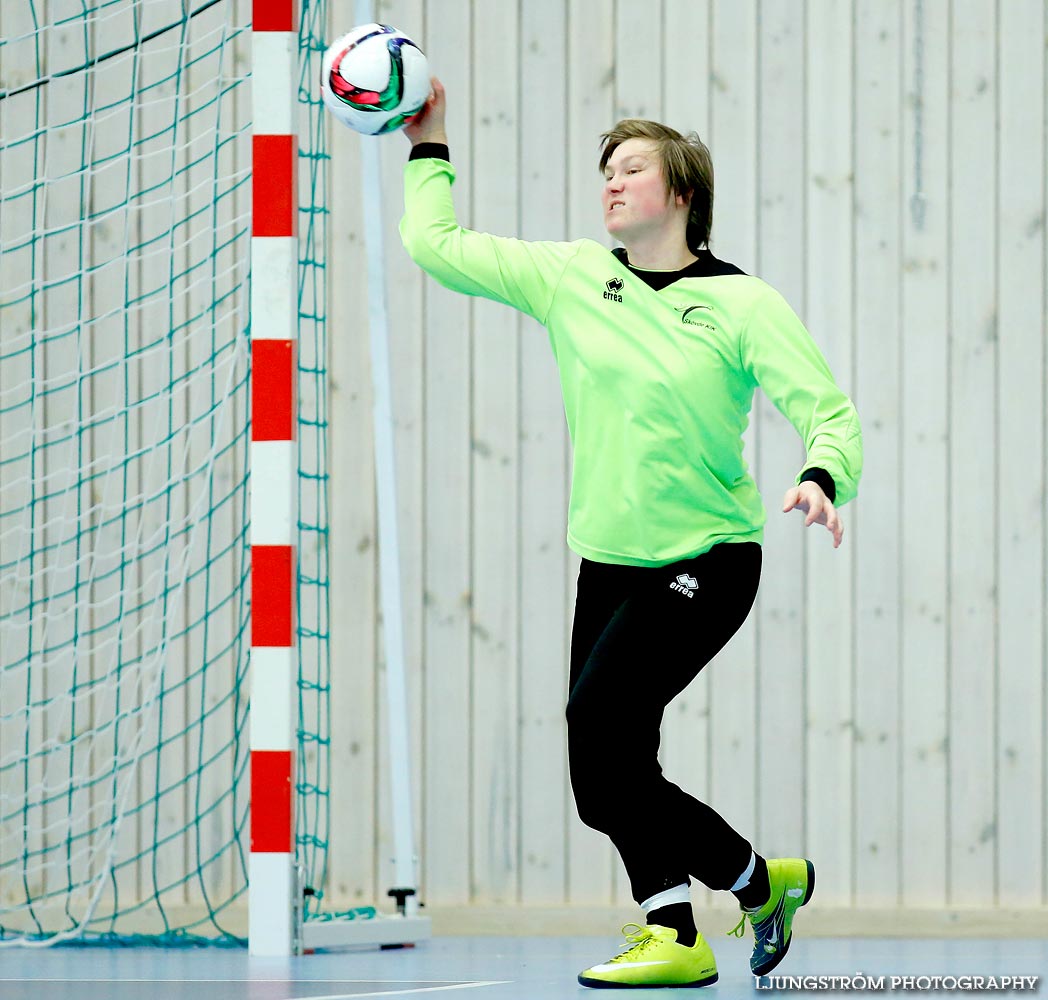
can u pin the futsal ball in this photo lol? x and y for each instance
(374, 79)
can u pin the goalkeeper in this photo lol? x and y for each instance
(659, 346)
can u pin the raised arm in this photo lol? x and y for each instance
(519, 273)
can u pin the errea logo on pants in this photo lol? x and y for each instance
(685, 584)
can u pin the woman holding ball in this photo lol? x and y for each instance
(659, 346)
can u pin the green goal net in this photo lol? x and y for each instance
(125, 159)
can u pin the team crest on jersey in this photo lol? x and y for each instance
(613, 289)
(695, 315)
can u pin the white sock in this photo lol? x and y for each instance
(744, 878)
(678, 894)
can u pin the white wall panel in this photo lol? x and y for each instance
(973, 333)
(779, 456)
(828, 579)
(445, 764)
(883, 710)
(354, 531)
(1020, 391)
(544, 618)
(876, 387)
(494, 182)
(123, 235)
(883, 164)
(734, 705)
(406, 357)
(686, 53)
(590, 70)
(924, 457)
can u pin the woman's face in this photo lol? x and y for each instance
(635, 197)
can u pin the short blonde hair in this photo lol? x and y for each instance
(686, 165)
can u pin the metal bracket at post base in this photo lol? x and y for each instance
(383, 930)
(401, 896)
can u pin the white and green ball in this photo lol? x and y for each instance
(374, 79)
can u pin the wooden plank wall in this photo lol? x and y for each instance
(882, 163)
(124, 226)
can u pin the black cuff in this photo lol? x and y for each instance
(430, 151)
(822, 479)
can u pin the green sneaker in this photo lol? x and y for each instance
(792, 883)
(654, 958)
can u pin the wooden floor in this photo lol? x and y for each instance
(471, 968)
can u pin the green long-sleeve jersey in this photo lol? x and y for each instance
(657, 385)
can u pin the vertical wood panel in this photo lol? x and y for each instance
(207, 727)
(590, 72)
(973, 515)
(60, 451)
(924, 458)
(1044, 509)
(876, 521)
(686, 95)
(733, 137)
(828, 679)
(236, 877)
(407, 360)
(544, 620)
(686, 65)
(496, 463)
(20, 166)
(801, 107)
(354, 573)
(638, 94)
(780, 455)
(1021, 438)
(154, 421)
(639, 53)
(106, 350)
(923, 639)
(110, 161)
(446, 771)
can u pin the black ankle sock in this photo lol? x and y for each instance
(758, 890)
(680, 918)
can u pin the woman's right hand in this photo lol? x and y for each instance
(428, 124)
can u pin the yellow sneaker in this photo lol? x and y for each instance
(654, 958)
(792, 883)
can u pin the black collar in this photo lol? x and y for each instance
(707, 266)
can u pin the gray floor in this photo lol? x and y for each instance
(469, 968)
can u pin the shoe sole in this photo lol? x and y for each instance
(603, 984)
(779, 956)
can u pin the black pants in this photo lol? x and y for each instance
(640, 636)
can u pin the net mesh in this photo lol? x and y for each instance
(124, 289)
(312, 813)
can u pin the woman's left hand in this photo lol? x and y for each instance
(809, 497)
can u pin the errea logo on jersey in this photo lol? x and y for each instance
(613, 288)
(685, 584)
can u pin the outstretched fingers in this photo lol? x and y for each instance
(833, 523)
(817, 508)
